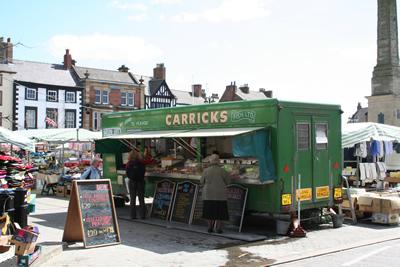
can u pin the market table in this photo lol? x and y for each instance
(49, 182)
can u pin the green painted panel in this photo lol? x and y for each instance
(267, 198)
(109, 167)
(322, 162)
(221, 115)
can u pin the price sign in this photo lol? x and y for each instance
(163, 199)
(91, 214)
(185, 196)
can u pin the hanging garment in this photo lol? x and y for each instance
(381, 169)
(361, 150)
(368, 172)
(388, 147)
(374, 174)
(396, 147)
(362, 173)
(381, 149)
(375, 148)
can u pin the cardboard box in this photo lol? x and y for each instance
(390, 205)
(60, 191)
(5, 240)
(27, 260)
(23, 248)
(366, 203)
(346, 202)
(26, 236)
(385, 218)
(378, 203)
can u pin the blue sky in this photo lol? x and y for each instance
(310, 51)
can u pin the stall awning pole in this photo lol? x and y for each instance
(198, 149)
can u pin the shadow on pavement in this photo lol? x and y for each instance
(53, 220)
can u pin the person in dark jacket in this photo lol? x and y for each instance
(135, 170)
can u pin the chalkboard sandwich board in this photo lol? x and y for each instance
(91, 216)
(163, 199)
(185, 196)
(236, 197)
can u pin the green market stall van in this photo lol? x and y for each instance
(274, 148)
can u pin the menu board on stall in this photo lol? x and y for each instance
(162, 200)
(91, 214)
(236, 197)
(198, 209)
(185, 197)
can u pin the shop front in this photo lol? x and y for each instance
(271, 148)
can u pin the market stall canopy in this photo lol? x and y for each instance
(16, 139)
(110, 145)
(61, 135)
(354, 133)
(185, 133)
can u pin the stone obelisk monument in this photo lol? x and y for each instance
(384, 102)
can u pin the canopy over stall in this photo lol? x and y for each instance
(61, 135)
(354, 133)
(17, 139)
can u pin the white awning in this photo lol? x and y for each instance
(217, 132)
(145, 135)
(185, 133)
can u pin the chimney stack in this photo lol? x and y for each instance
(68, 62)
(203, 93)
(9, 51)
(196, 90)
(358, 106)
(159, 72)
(245, 88)
(265, 92)
(230, 92)
(123, 68)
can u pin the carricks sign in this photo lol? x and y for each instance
(221, 115)
(196, 118)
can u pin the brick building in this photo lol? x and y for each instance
(233, 93)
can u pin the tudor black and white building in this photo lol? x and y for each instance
(45, 96)
(159, 95)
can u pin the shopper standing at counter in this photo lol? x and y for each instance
(135, 170)
(93, 171)
(215, 207)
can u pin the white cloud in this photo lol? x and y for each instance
(166, 2)
(228, 10)
(127, 5)
(139, 17)
(102, 47)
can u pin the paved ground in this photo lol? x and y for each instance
(380, 254)
(149, 245)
